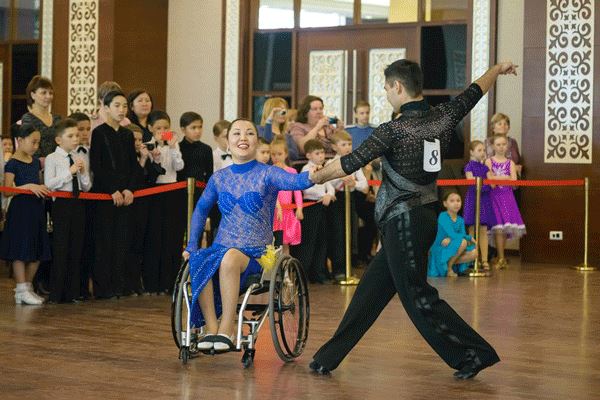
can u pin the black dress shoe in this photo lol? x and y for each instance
(318, 368)
(471, 367)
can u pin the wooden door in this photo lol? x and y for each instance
(353, 49)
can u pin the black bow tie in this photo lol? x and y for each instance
(82, 149)
(224, 156)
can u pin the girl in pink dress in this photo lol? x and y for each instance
(286, 220)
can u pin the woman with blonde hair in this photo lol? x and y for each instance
(275, 123)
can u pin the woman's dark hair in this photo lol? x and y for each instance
(158, 115)
(36, 83)
(242, 119)
(188, 117)
(304, 108)
(134, 94)
(110, 96)
(24, 131)
(409, 73)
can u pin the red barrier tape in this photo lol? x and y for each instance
(103, 196)
(293, 206)
(374, 183)
(530, 183)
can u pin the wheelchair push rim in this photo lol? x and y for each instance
(178, 308)
(289, 308)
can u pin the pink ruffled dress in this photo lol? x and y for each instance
(289, 224)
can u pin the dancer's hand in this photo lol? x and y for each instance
(508, 68)
(185, 255)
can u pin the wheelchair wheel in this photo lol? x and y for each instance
(178, 307)
(289, 309)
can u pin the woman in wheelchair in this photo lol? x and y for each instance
(246, 193)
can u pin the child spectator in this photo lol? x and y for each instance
(197, 160)
(25, 240)
(84, 126)
(507, 218)
(363, 129)
(146, 172)
(312, 252)
(67, 171)
(286, 220)
(263, 151)
(8, 148)
(221, 155)
(476, 168)
(163, 250)
(500, 125)
(113, 163)
(336, 249)
(99, 117)
(453, 250)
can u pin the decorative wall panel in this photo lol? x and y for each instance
(379, 59)
(47, 26)
(83, 56)
(569, 81)
(480, 64)
(327, 79)
(232, 49)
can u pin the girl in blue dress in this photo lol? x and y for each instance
(246, 193)
(453, 250)
(25, 241)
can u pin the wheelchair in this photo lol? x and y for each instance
(287, 309)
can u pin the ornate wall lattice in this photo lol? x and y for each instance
(83, 55)
(569, 81)
(47, 26)
(232, 47)
(480, 63)
(327, 79)
(379, 59)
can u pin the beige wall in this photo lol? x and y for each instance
(509, 95)
(194, 61)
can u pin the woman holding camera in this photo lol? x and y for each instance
(275, 123)
(313, 124)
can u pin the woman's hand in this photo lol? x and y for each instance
(321, 123)
(275, 111)
(299, 214)
(39, 190)
(117, 198)
(185, 255)
(445, 242)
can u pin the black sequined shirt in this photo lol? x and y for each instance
(400, 143)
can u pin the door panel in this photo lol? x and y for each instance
(357, 45)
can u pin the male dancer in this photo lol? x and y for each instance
(410, 147)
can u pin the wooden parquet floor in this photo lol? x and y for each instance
(543, 320)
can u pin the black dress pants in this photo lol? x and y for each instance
(112, 236)
(401, 267)
(68, 216)
(368, 232)
(164, 246)
(312, 250)
(89, 248)
(139, 236)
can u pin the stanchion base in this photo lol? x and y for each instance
(351, 281)
(584, 267)
(479, 274)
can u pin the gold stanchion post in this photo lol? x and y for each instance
(477, 272)
(350, 280)
(585, 266)
(191, 187)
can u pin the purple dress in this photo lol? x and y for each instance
(507, 215)
(486, 214)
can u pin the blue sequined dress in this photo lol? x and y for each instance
(246, 195)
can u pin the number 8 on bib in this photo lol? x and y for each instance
(432, 156)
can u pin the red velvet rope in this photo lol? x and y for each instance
(529, 183)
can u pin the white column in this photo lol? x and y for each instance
(232, 47)
(47, 27)
(480, 62)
